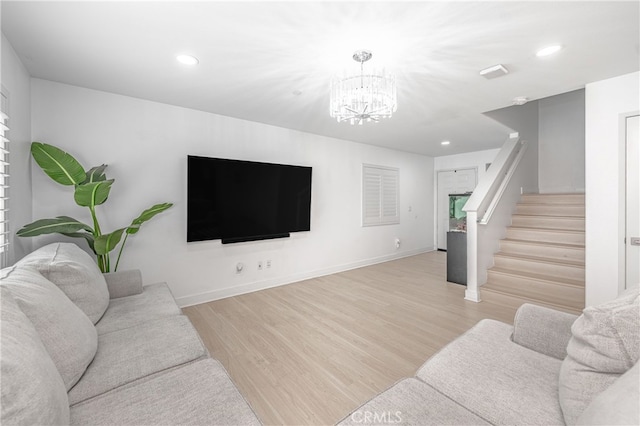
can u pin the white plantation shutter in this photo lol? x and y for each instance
(380, 195)
(4, 184)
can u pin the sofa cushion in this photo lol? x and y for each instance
(605, 344)
(618, 404)
(411, 402)
(66, 332)
(75, 273)
(496, 379)
(199, 393)
(33, 392)
(153, 303)
(135, 352)
(543, 330)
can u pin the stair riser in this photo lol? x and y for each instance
(561, 271)
(543, 291)
(550, 210)
(506, 300)
(575, 238)
(553, 199)
(549, 222)
(544, 251)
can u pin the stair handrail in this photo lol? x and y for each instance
(482, 204)
(489, 190)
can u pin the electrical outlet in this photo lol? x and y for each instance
(259, 265)
(268, 263)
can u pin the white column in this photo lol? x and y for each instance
(472, 293)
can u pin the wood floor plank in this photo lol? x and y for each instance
(308, 353)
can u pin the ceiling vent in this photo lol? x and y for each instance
(494, 71)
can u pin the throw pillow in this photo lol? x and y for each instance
(618, 405)
(68, 335)
(33, 392)
(75, 273)
(605, 344)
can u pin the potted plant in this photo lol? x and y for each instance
(91, 189)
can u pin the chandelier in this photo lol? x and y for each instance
(363, 97)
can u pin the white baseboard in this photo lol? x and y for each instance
(210, 296)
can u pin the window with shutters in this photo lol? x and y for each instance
(4, 181)
(380, 189)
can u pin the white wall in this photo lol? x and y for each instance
(605, 102)
(524, 120)
(16, 82)
(561, 143)
(146, 145)
(468, 160)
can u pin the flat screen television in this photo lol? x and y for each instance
(236, 201)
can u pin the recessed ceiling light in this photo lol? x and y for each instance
(520, 100)
(187, 59)
(549, 50)
(445, 142)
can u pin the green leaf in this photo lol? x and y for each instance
(61, 225)
(107, 242)
(57, 164)
(147, 215)
(96, 174)
(92, 194)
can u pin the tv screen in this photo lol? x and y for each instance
(234, 200)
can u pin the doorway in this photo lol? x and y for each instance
(632, 197)
(456, 181)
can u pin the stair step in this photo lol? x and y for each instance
(507, 275)
(548, 222)
(542, 258)
(552, 251)
(553, 198)
(490, 295)
(531, 209)
(566, 269)
(538, 287)
(546, 235)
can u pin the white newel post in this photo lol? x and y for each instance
(472, 293)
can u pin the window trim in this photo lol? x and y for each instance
(5, 237)
(388, 191)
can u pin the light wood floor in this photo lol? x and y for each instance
(309, 353)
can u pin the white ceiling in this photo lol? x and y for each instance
(255, 56)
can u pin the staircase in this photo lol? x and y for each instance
(541, 260)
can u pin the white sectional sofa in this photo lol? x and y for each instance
(549, 368)
(79, 347)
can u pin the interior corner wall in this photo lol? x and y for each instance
(16, 82)
(524, 120)
(467, 160)
(561, 135)
(146, 145)
(606, 102)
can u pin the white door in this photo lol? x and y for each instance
(633, 202)
(451, 182)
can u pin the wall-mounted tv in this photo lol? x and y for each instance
(235, 200)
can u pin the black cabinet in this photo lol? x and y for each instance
(457, 257)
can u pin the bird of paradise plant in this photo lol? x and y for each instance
(91, 189)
